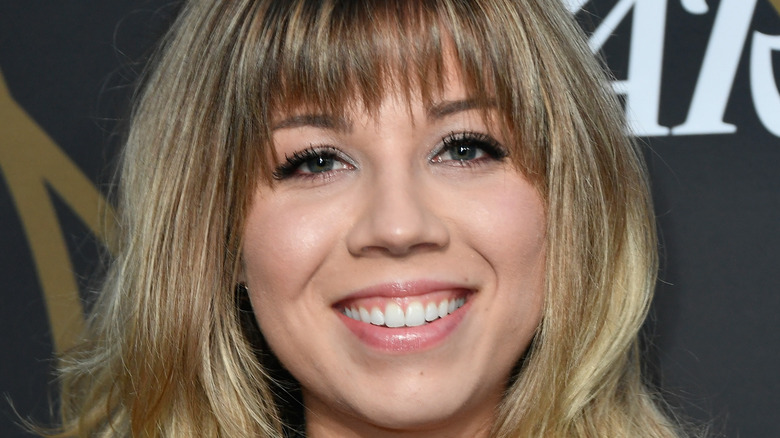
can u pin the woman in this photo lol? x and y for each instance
(357, 218)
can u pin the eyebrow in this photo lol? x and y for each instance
(448, 107)
(315, 120)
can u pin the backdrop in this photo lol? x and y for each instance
(699, 80)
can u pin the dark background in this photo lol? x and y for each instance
(713, 337)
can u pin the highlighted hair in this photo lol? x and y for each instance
(169, 353)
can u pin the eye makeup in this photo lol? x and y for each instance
(312, 162)
(468, 148)
(462, 148)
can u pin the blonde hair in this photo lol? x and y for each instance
(168, 351)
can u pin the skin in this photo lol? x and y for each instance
(394, 208)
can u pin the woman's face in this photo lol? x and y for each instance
(396, 265)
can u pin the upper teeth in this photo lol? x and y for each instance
(394, 316)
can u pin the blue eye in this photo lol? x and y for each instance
(464, 148)
(318, 164)
(311, 162)
(463, 152)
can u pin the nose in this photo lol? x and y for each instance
(398, 218)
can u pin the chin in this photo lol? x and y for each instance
(430, 405)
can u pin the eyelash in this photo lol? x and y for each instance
(480, 141)
(293, 163)
(477, 140)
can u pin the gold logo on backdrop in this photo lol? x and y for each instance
(31, 164)
(776, 4)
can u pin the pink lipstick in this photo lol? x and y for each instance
(405, 317)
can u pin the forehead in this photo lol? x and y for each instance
(449, 95)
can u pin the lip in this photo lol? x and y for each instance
(406, 339)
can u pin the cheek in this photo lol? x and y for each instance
(282, 245)
(284, 242)
(507, 225)
(508, 230)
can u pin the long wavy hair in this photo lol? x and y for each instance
(169, 351)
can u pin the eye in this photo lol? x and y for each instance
(312, 162)
(466, 148)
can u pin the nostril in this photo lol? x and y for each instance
(401, 251)
(427, 246)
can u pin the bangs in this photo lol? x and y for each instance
(337, 56)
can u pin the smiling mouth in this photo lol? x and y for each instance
(410, 312)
